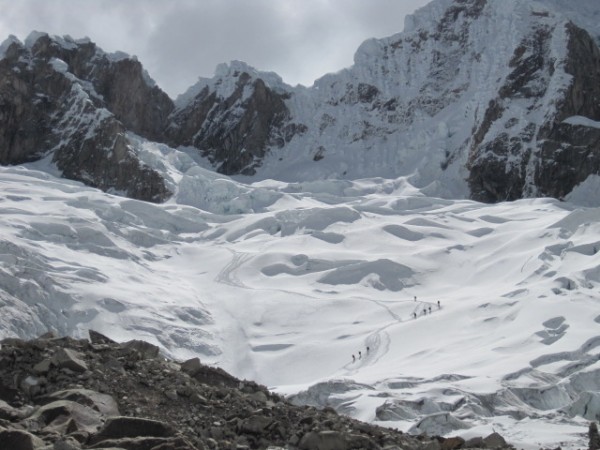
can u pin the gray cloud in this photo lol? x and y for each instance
(180, 40)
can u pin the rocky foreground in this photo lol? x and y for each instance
(68, 394)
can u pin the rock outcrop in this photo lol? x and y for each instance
(235, 127)
(540, 159)
(71, 394)
(71, 102)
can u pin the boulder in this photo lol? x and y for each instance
(131, 427)
(453, 443)
(145, 443)
(7, 412)
(43, 367)
(66, 358)
(191, 366)
(145, 349)
(66, 444)
(494, 440)
(66, 416)
(98, 338)
(256, 424)
(7, 393)
(323, 440)
(359, 441)
(103, 403)
(19, 440)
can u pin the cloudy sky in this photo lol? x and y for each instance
(180, 40)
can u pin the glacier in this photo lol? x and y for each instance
(289, 280)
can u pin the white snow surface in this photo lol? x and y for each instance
(282, 279)
(290, 280)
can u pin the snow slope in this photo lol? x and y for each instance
(467, 85)
(283, 283)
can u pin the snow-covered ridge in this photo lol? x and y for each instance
(68, 43)
(467, 91)
(224, 82)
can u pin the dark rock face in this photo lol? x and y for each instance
(120, 83)
(55, 98)
(547, 160)
(136, 400)
(234, 132)
(594, 437)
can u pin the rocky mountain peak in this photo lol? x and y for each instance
(70, 101)
(474, 99)
(233, 118)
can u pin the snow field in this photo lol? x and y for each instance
(287, 294)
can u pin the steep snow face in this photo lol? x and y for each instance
(461, 102)
(468, 101)
(584, 13)
(304, 275)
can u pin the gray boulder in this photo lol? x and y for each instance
(494, 440)
(131, 427)
(65, 416)
(103, 403)
(66, 358)
(323, 440)
(19, 440)
(191, 366)
(144, 349)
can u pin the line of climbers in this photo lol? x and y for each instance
(359, 355)
(439, 305)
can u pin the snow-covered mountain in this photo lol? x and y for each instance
(345, 220)
(473, 98)
(476, 99)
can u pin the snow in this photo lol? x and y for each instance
(586, 193)
(582, 122)
(289, 280)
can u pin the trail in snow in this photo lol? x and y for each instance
(227, 275)
(378, 341)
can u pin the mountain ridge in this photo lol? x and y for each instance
(469, 102)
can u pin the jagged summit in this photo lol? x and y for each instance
(473, 99)
(223, 82)
(64, 100)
